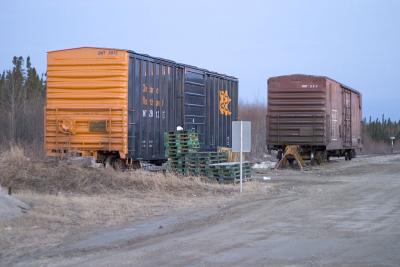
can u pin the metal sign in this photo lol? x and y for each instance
(241, 142)
(241, 134)
(98, 126)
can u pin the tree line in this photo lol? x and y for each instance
(22, 94)
(381, 130)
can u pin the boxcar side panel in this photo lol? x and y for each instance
(356, 118)
(345, 117)
(222, 109)
(155, 91)
(164, 95)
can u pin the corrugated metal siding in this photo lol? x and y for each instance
(296, 110)
(219, 123)
(344, 114)
(155, 105)
(87, 85)
(356, 118)
(187, 96)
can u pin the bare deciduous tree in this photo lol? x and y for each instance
(255, 112)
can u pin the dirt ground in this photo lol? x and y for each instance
(54, 218)
(337, 214)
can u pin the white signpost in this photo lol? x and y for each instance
(392, 139)
(241, 142)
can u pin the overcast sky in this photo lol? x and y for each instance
(354, 42)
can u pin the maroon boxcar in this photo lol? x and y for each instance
(317, 113)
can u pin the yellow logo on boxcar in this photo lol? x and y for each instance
(224, 101)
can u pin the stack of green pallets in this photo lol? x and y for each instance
(198, 163)
(229, 171)
(177, 146)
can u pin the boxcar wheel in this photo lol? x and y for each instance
(353, 153)
(279, 155)
(318, 157)
(118, 164)
(108, 162)
(312, 158)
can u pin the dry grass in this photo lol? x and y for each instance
(371, 146)
(21, 173)
(70, 199)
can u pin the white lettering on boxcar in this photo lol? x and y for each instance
(309, 86)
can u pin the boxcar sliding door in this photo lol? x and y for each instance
(346, 136)
(195, 102)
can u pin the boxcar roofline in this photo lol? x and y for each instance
(318, 76)
(155, 59)
(174, 63)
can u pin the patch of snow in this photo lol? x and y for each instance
(264, 165)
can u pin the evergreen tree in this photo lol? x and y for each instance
(21, 95)
(381, 130)
(33, 84)
(2, 88)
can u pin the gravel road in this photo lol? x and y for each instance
(337, 214)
